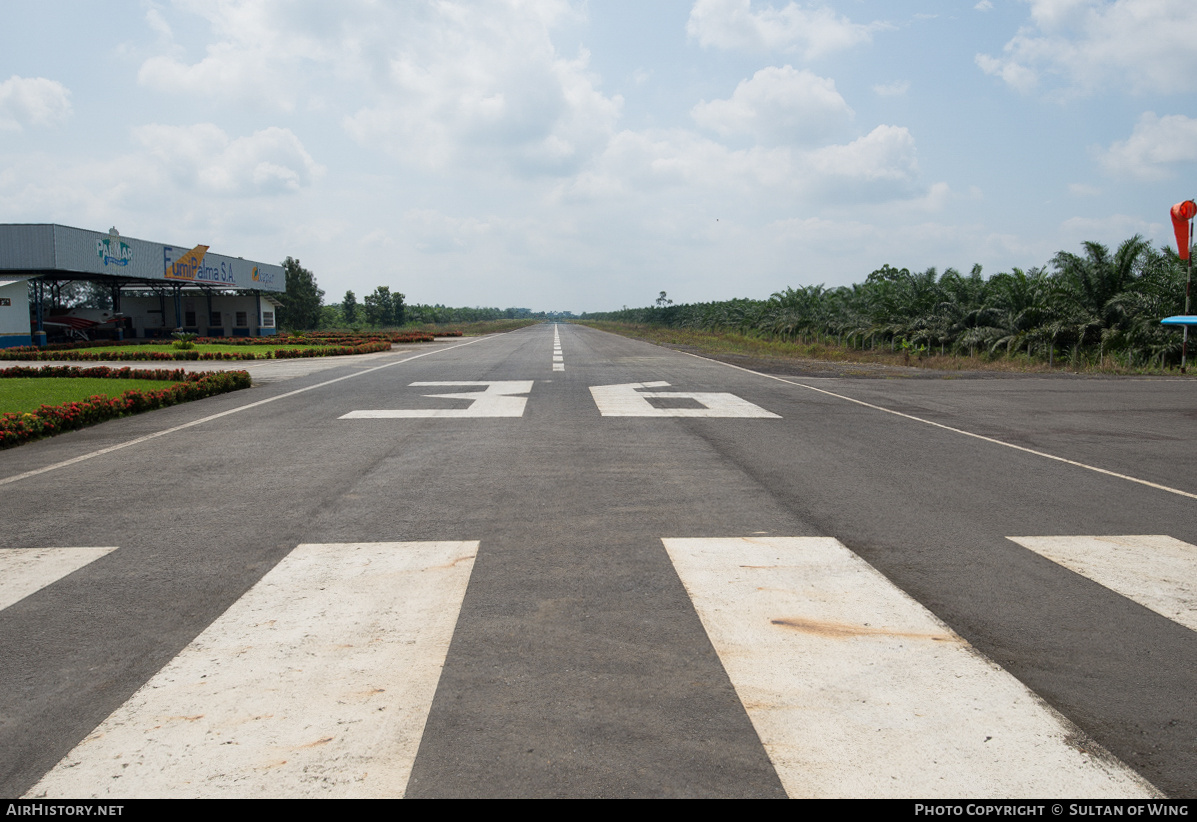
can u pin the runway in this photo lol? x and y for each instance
(558, 562)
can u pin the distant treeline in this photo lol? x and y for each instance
(373, 312)
(1088, 307)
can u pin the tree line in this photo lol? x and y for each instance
(1089, 307)
(303, 307)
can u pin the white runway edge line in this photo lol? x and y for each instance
(316, 683)
(1043, 454)
(856, 690)
(101, 452)
(24, 571)
(1156, 571)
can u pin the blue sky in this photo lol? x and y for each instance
(588, 155)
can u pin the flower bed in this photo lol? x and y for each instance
(324, 337)
(17, 429)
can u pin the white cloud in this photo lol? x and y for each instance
(984, 5)
(880, 166)
(778, 106)
(1086, 46)
(227, 72)
(1155, 147)
(203, 157)
(894, 89)
(435, 232)
(488, 90)
(40, 188)
(265, 52)
(434, 83)
(1013, 73)
(1109, 230)
(642, 161)
(811, 32)
(885, 154)
(32, 101)
(158, 24)
(936, 198)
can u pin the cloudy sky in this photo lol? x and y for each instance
(583, 156)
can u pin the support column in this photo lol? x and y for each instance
(116, 309)
(39, 334)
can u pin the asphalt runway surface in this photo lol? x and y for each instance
(557, 562)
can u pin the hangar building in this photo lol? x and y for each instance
(155, 288)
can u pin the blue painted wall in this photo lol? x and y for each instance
(13, 340)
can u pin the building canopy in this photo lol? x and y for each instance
(46, 250)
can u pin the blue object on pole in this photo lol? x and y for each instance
(1180, 319)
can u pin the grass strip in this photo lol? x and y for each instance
(474, 329)
(827, 350)
(19, 395)
(48, 420)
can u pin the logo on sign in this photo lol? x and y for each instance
(187, 266)
(113, 251)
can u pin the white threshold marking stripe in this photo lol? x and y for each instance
(1043, 454)
(100, 452)
(24, 571)
(1156, 571)
(316, 683)
(856, 690)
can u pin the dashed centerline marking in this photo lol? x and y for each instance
(857, 690)
(558, 359)
(316, 683)
(24, 571)
(1156, 571)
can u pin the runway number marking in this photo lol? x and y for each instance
(501, 399)
(857, 690)
(316, 683)
(497, 399)
(628, 400)
(24, 571)
(1158, 572)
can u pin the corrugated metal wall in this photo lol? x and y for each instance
(75, 250)
(26, 247)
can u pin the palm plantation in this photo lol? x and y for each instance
(1095, 307)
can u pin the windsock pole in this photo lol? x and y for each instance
(1184, 343)
(1182, 217)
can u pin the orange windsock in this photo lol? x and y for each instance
(1181, 214)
